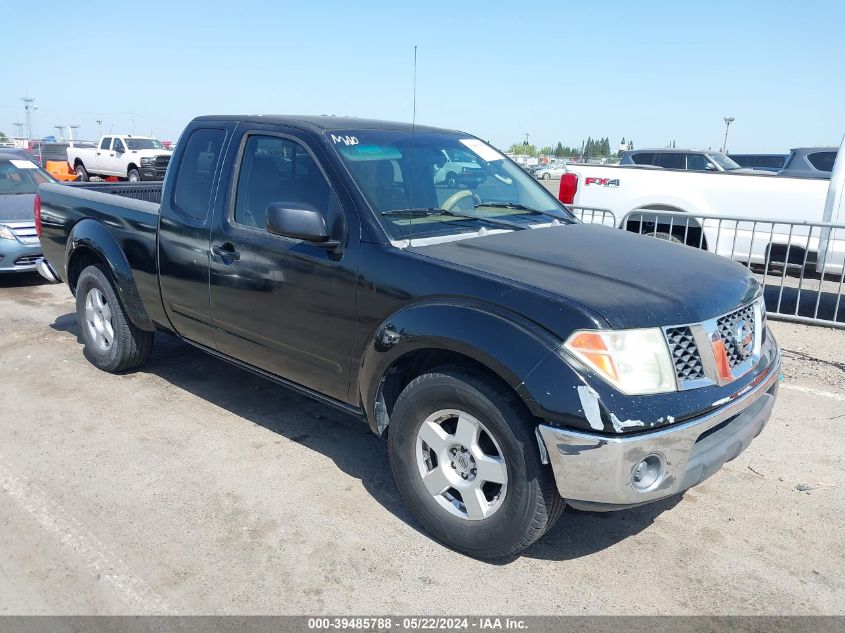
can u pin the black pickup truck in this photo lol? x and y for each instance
(516, 359)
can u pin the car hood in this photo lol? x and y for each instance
(17, 208)
(630, 280)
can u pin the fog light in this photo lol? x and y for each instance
(647, 473)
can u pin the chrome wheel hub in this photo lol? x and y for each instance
(99, 319)
(461, 464)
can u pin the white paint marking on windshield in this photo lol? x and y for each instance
(24, 164)
(481, 149)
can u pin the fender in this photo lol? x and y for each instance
(508, 345)
(89, 233)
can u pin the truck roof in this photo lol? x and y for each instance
(322, 122)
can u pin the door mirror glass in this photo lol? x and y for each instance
(297, 220)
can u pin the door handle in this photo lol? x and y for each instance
(226, 251)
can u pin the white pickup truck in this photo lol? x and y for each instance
(780, 217)
(123, 155)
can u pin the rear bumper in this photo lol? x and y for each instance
(45, 270)
(16, 257)
(595, 472)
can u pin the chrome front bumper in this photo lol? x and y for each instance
(595, 472)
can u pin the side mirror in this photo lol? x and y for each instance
(299, 221)
(710, 167)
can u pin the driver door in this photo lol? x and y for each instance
(281, 304)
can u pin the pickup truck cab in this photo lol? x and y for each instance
(516, 359)
(127, 156)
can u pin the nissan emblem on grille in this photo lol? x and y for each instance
(743, 338)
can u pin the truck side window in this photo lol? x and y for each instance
(105, 143)
(195, 176)
(696, 162)
(275, 169)
(118, 145)
(644, 158)
(823, 161)
(671, 160)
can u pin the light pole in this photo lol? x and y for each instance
(728, 121)
(100, 128)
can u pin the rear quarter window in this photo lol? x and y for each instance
(195, 172)
(823, 161)
(644, 158)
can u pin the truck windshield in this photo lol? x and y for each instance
(431, 184)
(143, 143)
(724, 162)
(21, 176)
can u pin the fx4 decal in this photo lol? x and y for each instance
(602, 182)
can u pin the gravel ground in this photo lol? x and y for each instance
(194, 487)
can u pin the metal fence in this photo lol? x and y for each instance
(801, 265)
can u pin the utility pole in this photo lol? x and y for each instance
(728, 121)
(99, 128)
(28, 107)
(73, 128)
(133, 123)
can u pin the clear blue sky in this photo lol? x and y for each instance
(560, 71)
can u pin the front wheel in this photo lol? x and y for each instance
(81, 173)
(134, 175)
(112, 342)
(547, 176)
(465, 459)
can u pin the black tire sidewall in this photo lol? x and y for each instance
(137, 172)
(504, 528)
(94, 277)
(82, 172)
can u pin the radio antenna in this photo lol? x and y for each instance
(414, 98)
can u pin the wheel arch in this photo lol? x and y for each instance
(91, 243)
(690, 230)
(423, 337)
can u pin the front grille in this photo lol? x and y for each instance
(727, 327)
(162, 161)
(685, 354)
(27, 260)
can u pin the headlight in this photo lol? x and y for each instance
(6, 232)
(147, 161)
(634, 361)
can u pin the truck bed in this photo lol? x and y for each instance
(127, 211)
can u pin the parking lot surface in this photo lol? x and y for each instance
(191, 486)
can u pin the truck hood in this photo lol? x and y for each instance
(17, 208)
(630, 280)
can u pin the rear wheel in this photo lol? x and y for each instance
(112, 342)
(465, 459)
(669, 237)
(134, 175)
(81, 172)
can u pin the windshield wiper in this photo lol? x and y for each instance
(426, 212)
(521, 207)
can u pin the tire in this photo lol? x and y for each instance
(547, 176)
(669, 237)
(111, 342)
(82, 173)
(134, 175)
(507, 516)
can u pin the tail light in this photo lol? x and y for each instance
(568, 187)
(37, 210)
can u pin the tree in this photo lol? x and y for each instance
(523, 148)
(547, 150)
(3, 136)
